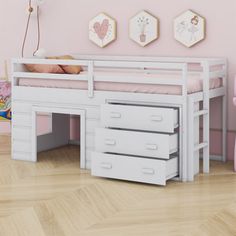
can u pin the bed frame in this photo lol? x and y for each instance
(28, 101)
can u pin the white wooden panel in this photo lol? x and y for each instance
(22, 156)
(49, 76)
(139, 117)
(84, 58)
(21, 119)
(75, 97)
(133, 168)
(21, 146)
(132, 64)
(196, 140)
(90, 141)
(88, 165)
(145, 79)
(91, 125)
(21, 133)
(93, 113)
(136, 143)
(21, 107)
(49, 61)
(89, 152)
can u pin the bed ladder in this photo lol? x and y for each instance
(192, 115)
(194, 147)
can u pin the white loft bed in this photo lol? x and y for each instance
(88, 102)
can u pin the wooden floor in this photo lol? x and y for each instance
(55, 198)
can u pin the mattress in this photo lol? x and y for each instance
(194, 83)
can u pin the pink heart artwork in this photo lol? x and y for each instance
(101, 29)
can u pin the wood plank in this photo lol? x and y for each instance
(55, 197)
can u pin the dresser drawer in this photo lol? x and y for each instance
(136, 143)
(133, 168)
(139, 117)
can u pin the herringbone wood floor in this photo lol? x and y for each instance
(55, 198)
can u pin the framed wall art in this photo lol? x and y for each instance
(5, 100)
(144, 28)
(102, 30)
(189, 28)
(5, 97)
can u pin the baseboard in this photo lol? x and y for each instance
(74, 142)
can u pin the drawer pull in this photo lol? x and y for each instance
(148, 171)
(157, 118)
(107, 166)
(115, 115)
(151, 147)
(110, 142)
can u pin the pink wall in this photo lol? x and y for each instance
(65, 30)
(216, 147)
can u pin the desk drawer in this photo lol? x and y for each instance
(139, 117)
(133, 168)
(136, 143)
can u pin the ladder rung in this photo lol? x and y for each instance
(200, 146)
(200, 113)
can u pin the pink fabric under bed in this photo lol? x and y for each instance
(195, 84)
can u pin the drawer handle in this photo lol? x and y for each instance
(151, 147)
(110, 142)
(106, 166)
(148, 171)
(157, 118)
(115, 115)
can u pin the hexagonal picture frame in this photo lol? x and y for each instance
(189, 28)
(102, 30)
(144, 28)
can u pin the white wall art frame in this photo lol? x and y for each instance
(102, 30)
(144, 28)
(189, 28)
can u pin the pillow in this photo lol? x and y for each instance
(38, 68)
(69, 69)
(56, 69)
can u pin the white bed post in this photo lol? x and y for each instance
(90, 79)
(224, 115)
(224, 128)
(206, 117)
(184, 125)
(191, 138)
(83, 139)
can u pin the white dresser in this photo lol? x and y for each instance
(137, 143)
